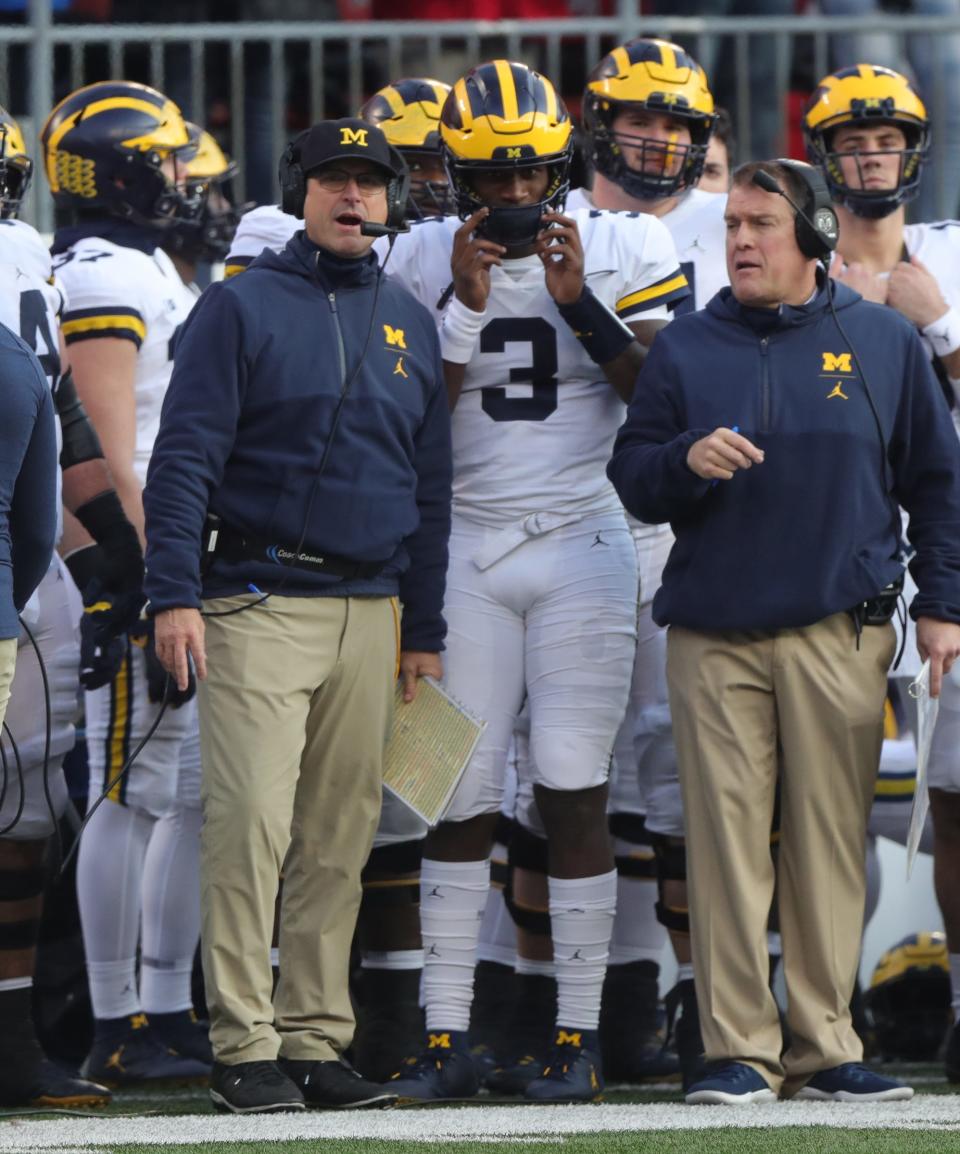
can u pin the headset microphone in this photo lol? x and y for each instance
(817, 235)
(371, 228)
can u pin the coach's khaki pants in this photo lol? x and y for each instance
(293, 718)
(734, 697)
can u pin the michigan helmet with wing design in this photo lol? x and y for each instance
(16, 168)
(206, 233)
(104, 148)
(408, 113)
(909, 997)
(504, 115)
(867, 94)
(658, 77)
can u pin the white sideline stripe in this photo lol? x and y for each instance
(446, 1124)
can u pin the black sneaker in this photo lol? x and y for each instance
(253, 1088)
(335, 1085)
(951, 1057)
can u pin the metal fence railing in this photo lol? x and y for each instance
(255, 84)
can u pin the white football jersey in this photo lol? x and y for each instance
(696, 225)
(114, 291)
(264, 227)
(535, 423)
(938, 247)
(31, 305)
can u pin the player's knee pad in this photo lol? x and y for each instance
(633, 850)
(527, 852)
(391, 876)
(671, 861)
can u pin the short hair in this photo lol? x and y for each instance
(723, 131)
(789, 180)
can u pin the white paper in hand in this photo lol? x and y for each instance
(927, 709)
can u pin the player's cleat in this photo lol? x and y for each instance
(572, 1072)
(134, 1056)
(185, 1034)
(335, 1085)
(389, 1022)
(951, 1057)
(686, 1031)
(253, 1088)
(853, 1082)
(443, 1070)
(632, 1043)
(732, 1084)
(515, 1076)
(33, 1080)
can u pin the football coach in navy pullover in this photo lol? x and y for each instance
(779, 439)
(306, 424)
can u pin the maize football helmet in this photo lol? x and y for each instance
(661, 78)
(16, 168)
(504, 115)
(206, 234)
(909, 998)
(104, 147)
(408, 112)
(867, 94)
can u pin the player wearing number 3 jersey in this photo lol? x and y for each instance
(539, 335)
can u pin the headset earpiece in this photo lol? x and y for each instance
(398, 191)
(817, 227)
(293, 186)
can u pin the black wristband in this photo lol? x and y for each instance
(122, 557)
(84, 564)
(600, 331)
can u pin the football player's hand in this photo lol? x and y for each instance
(913, 292)
(938, 642)
(561, 250)
(718, 456)
(870, 285)
(414, 665)
(107, 617)
(470, 263)
(160, 684)
(178, 635)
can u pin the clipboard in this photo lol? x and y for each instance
(927, 709)
(430, 745)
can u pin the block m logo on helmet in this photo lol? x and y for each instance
(356, 136)
(837, 363)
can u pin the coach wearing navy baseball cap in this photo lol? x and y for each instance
(306, 425)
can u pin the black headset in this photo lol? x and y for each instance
(815, 221)
(293, 184)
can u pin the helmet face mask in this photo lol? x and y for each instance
(16, 168)
(655, 78)
(205, 229)
(867, 97)
(408, 113)
(104, 150)
(503, 118)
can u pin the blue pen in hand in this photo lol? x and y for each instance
(716, 480)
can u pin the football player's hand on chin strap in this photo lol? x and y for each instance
(561, 250)
(470, 263)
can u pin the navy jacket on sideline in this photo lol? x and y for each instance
(260, 366)
(813, 530)
(28, 478)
